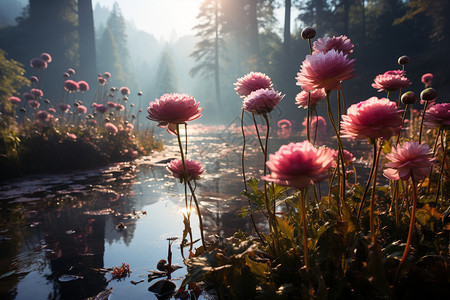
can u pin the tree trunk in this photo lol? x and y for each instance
(287, 29)
(253, 32)
(88, 62)
(216, 53)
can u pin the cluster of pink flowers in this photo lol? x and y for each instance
(71, 85)
(256, 89)
(391, 81)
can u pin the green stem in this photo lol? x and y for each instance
(305, 239)
(310, 47)
(367, 185)
(190, 187)
(441, 175)
(421, 122)
(271, 213)
(411, 227)
(403, 121)
(308, 117)
(434, 152)
(340, 146)
(257, 133)
(372, 199)
(245, 181)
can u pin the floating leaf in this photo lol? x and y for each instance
(103, 295)
(163, 288)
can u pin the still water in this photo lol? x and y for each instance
(66, 224)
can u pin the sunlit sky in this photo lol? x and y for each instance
(163, 18)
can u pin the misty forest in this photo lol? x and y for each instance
(292, 149)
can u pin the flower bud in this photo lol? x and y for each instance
(47, 101)
(308, 33)
(139, 93)
(403, 60)
(428, 94)
(409, 98)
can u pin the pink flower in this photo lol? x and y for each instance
(52, 110)
(409, 159)
(33, 103)
(120, 107)
(111, 104)
(391, 81)
(34, 79)
(173, 109)
(262, 101)
(28, 96)
(437, 116)
(81, 109)
(325, 70)
(107, 75)
(42, 115)
(63, 107)
(37, 93)
(348, 157)
(129, 127)
(316, 121)
(124, 90)
(111, 128)
(83, 85)
(252, 82)
(427, 78)
(101, 80)
(38, 63)
(71, 136)
(46, 57)
(372, 118)
(14, 100)
(71, 85)
(71, 71)
(101, 108)
(339, 43)
(298, 165)
(193, 169)
(316, 96)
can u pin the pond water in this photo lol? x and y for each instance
(66, 224)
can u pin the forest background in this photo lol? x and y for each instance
(233, 37)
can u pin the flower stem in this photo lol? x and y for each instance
(411, 227)
(340, 147)
(257, 132)
(372, 200)
(243, 176)
(434, 152)
(441, 175)
(403, 121)
(190, 187)
(421, 121)
(367, 185)
(303, 217)
(308, 118)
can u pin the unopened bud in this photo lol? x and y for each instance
(428, 94)
(403, 60)
(409, 98)
(308, 33)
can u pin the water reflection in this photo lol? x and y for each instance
(67, 224)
